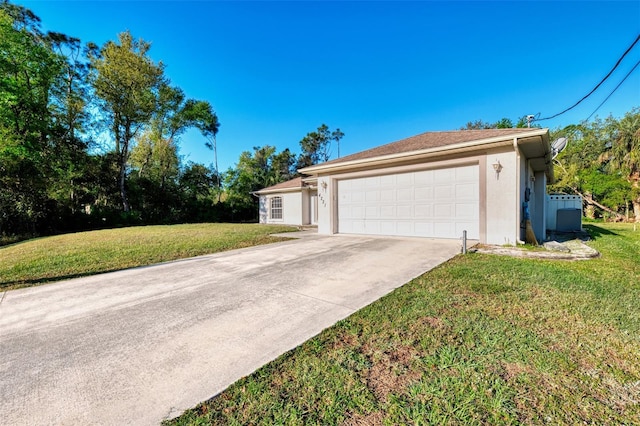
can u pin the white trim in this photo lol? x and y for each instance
(425, 153)
(271, 208)
(443, 164)
(278, 190)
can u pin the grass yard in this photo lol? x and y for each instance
(48, 259)
(482, 339)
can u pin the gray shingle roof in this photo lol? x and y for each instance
(428, 140)
(293, 183)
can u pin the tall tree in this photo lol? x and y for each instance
(155, 158)
(70, 94)
(255, 170)
(282, 165)
(197, 184)
(626, 155)
(174, 114)
(316, 146)
(127, 82)
(28, 72)
(584, 168)
(201, 115)
(70, 121)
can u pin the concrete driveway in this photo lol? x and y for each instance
(142, 345)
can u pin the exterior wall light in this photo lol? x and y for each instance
(498, 168)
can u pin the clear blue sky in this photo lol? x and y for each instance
(379, 71)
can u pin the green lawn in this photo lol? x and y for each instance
(86, 253)
(482, 339)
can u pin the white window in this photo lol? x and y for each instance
(276, 208)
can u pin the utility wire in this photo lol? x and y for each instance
(598, 85)
(613, 91)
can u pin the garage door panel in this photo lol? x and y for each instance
(404, 179)
(444, 192)
(466, 173)
(445, 211)
(372, 227)
(443, 176)
(388, 181)
(405, 194)
(372, 212)
(404, 211)
(357, 226)
(466, 191)
(465, 211)
(372, 182)
(404, 229)
(432, 203)
(388, 195)
(424, 229)
(357, 212)
(356, 196)
(443, 229)
(424, 193)
(422, 211)
(424, 178)
(370, 196)
(388, 212)
(388, 228)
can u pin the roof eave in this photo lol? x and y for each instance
(424, 153)
(539, 153)
(279, 190)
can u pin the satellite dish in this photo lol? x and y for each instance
(557, 146)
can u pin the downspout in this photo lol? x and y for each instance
(518, 208)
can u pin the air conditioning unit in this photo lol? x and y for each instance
(568, 220)
(564, 213)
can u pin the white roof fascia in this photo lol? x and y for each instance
(279, 190)
(506, 139)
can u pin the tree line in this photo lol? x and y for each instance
(90, 136)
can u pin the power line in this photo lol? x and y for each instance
(613, 91)
(598, 85)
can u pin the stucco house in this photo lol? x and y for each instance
(293, 202)
(435, 185)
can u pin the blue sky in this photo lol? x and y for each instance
(379, 71)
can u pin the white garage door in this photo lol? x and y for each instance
(430, 203)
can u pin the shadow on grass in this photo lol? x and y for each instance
(596, 232)
(16, 284)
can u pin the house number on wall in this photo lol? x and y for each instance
(320, 195)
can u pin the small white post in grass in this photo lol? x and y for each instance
(464, 242)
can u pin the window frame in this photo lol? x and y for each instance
(276, 212)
